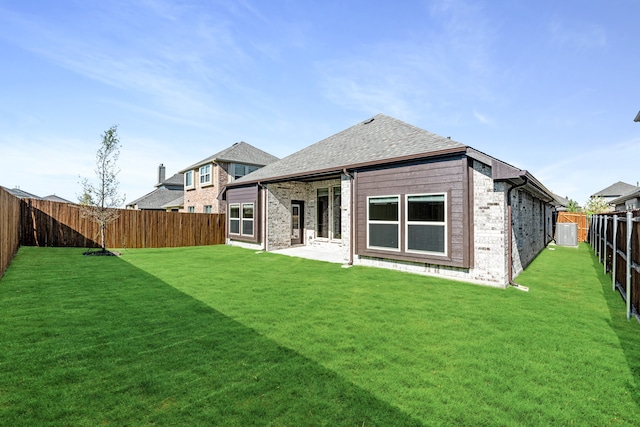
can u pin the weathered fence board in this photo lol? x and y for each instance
(9, 228)
(47, 223)
(615, 238)
(576, 218)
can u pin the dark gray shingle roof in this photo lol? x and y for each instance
(381, 138)
(156, 199)
(240, 152)
(618, 189)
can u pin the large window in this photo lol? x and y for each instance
(426, 226)
(323, 213)
(205, 174)
(383, 222)
(336, 207)
(241, 219)
(188, 179)
(238, 171)
(234, 219)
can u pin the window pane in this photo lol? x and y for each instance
(188, 178)
(238, 171)
(383, 209)
(337, 213)
(251, 169)
(247, 211)
(234, 211)
(426, 208)
(383, 235)
(323, 212)
(234, 226)
(247, 227)
(208, 209)
(428, 238)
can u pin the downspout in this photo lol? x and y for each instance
(510, 238)
(262, 194)
(351, 219)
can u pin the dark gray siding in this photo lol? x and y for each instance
(249, 194)
(448, 176)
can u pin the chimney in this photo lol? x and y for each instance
(161, 174)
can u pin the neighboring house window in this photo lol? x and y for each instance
(208, 209)
(241, 219)
(191, 209)
(426, 226)
(238, 171)
(383, 222)
(205, 174)
(188, 179)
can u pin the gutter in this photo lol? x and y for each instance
(510, 237)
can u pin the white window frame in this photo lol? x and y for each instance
(241, 219)
(188, 175)
(208, 209)
(397, 222)
(191, 209)
(238, 219)
(439, 223)
(205, 178)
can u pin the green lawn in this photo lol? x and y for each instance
(227, 336)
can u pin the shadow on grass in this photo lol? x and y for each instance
(625, 330)
(108, 343)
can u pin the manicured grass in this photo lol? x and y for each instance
(226, 336)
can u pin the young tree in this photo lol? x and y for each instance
(573, 206)
(596, 205)
(99, 200)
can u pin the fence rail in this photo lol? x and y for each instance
(34, 222)
(47, 223)
(615, 239)
(576, 218)
(9, 228)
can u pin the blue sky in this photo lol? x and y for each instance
(548, 86)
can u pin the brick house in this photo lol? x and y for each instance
(204, 180)
(388, 194)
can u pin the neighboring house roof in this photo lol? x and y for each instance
(155, 199)
(54, 198)
(635, 193)
(176, 203)
(618, 189)
(21, 194)
(372, 141)
(240, 152)
(167, 191)
(637, 119)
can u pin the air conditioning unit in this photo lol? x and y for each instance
(567, 234)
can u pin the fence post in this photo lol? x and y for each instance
(604, 246)
(615, 250)
(629, 261)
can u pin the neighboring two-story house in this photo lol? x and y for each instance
(204, 180)
(166, 197)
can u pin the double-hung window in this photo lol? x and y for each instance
(188, 179)
(426, 226)
(205, 174)
(241, 170)
(241, 220)
(383, 222)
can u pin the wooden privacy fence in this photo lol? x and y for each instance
(47, 223)
(576, 218)
(615, 239)
(9, 228)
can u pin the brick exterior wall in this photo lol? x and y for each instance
(202, 195)
(279, 197)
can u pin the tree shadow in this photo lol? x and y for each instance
(120, 346)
